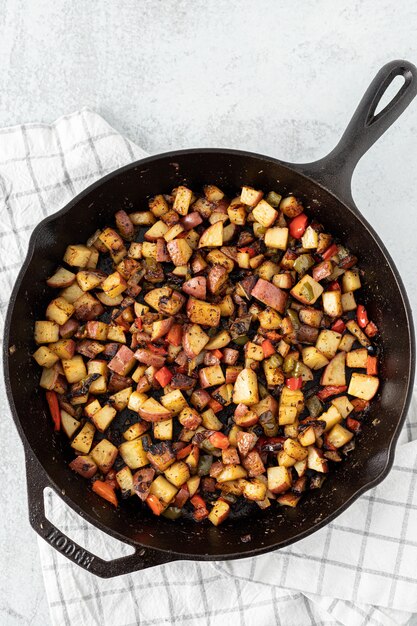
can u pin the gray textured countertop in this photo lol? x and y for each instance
(262, 76)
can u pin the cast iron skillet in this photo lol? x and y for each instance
(324, 187)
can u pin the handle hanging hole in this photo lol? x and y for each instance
(389, 94)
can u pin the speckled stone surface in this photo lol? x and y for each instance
(269, 76)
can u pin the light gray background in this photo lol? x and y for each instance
(270, 76)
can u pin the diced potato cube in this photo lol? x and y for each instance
(310, 239)
(328, 342)
(331, 417)
(332, 303)
(103, 417)
(231, 472)
(114, 285)
(339, 436)
(74, 369)
(246, 388)
(219, 512)
(250, 196)
(163, 490)
(277, 238)
(77, 255)
(313, 358)
(45, 357)
(84, 440)
(46, 332)
(346, 342)
(295, 450)
(182, 200)
(357, 358)
(210, 420)
(279, 479)
(265, 214)
(163, 430)
(69, 424)
(351, 281)
(178, 473)
(136, 399)
(134, 454)
(72, 293)
(343, 405)
(307, 290)
(135, 430)
(59, 311)
(363, 386)
(348, 301)
(174, 401)
(104, 455)
(212, 237)
(125, 481)
(316, 461)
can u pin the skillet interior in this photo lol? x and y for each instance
(129, 188)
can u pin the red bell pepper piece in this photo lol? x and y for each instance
(217, 353)
(156, 349)
(138, 323)
(372, 366)
(200, 508)
(105, 491)
(219, 440)
(184, 452)
(362, 316)
(298, 226)
(268, 348)
(333, 286)
(371, 330)
(163, 376)
(353, 425)
(294, 383)
(54, 409)
(214, 405)
(154, 504)
(174, 336)
(248, 250)
(329, 252)
(330, 390)
(339, 326)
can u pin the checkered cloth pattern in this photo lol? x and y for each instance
(360, 569)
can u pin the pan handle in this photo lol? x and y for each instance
(335, 170)
(139, 560)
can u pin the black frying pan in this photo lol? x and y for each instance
(324, 187)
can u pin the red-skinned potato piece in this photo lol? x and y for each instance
(84, 466)
(152, 411)
(161, 327)
(217, 277)
(142, 480)
(193, 340)
(162, 254)
(123, 361)
(67, 330)
(124, 224)
(268, 294)
(191, 220)
(196, 287)
(149, 358)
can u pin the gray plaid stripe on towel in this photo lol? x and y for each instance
(361, 569)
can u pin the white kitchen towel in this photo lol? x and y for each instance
(360, 569)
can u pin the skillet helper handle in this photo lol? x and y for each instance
(140, 559)
(335, 170)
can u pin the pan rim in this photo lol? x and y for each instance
(389, 450)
